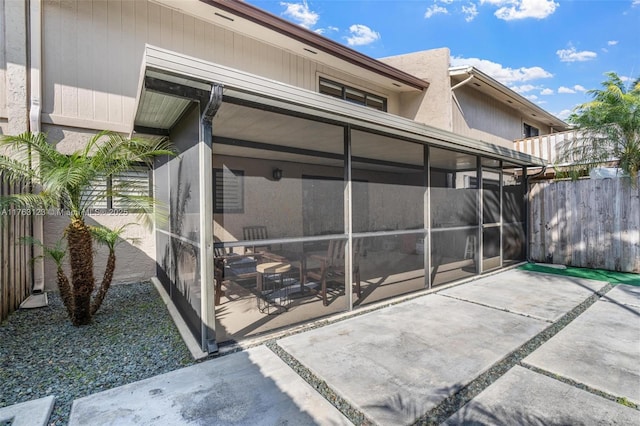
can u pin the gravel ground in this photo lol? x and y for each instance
(132, 337)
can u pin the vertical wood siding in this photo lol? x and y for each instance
(488, 119)
(592, 223)
(93, 51)
(547, 147)
(15, 258)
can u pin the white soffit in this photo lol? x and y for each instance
(159, 111)
(210, 13)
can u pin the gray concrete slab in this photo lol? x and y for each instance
(253, 387)
(600, 348)
(522, 397)
(543, 296)
(624, 295)
(397, 363)
(30, 413)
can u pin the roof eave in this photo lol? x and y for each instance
(317, 41)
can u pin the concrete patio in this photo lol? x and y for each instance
(396, 364)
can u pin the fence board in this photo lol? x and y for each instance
(593, 223)
(15, 265)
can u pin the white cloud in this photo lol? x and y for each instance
(510, 10)
(325, 30)
(624, 78)
(524, 88)
(546, 92)
(635, 3)
(470, 12)
(565, 113)
(531, 97)
(563, 89)
(613, 42)
(446, 1)
(572, 55)
(579, 88)
(300, 13)
(503, 74)
(361, 35)
(435, 10)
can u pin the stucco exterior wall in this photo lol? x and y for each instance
(92, 51)
(15, 61)
(3, 63)
(479, 116)
(279, 204)
(134, 262)
(433, 107)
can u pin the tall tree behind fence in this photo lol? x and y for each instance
(592, 223)
(15, 258)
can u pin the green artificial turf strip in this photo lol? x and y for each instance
(594, 274)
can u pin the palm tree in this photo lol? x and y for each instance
(69, 181)
(608, 128)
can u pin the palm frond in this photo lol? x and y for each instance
(57, 252)
(15, 171)
(111, 237)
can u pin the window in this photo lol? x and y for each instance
(228, 187)
(530, 131)
(131, 183)
(351, 94)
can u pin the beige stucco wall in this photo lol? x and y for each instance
(482, 117)
(134, 262)
(3, 63)
(279, 204)
(432, 107)
(92, 52)
(15, 66)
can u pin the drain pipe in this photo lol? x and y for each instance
(34, 46)
(462, 83)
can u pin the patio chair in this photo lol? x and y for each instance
(232, 266)
(253, 233)
(331, 267)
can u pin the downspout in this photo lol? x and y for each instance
(462, 83)
(207, 302)
(35, 89)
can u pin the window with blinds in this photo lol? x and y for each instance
(131, 183)
(228, 191)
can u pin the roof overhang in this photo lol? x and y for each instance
(256, 23)
(187, 78)
(491, 87)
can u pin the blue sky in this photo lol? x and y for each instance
(549, 51)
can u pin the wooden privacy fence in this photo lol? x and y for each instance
(592, 223)
(15, 258)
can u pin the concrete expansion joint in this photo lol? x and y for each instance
(497, 309)
(354, 415)
(620, 400)
(456, 401)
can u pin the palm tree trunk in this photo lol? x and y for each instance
(106, 282)
(80, 246)
(65, 291)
